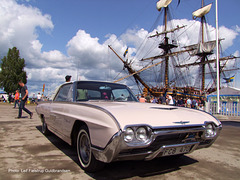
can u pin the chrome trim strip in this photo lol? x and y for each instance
(177, 127)
(177, 131)
(163, 108)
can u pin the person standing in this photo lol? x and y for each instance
(24, 95)
(162, 100)
(169, 100)
(142, 99)
(68, 78)
(189, 103)
(10, 98)
(194, 103)
(38, 97)
(16, 99)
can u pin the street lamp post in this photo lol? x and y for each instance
(217, 59)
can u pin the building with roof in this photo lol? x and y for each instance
(229, 102)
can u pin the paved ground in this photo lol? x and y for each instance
(25, 153)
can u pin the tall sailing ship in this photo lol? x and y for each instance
(174, 73)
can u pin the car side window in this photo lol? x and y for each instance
(65, 93)
(85, 95)
(82, 94)
(92, 94)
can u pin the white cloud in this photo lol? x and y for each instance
(228, 35)
(237, 28)
(18, 28)
(45, 74)
(18, 25)
(87, 51)
(92, 59)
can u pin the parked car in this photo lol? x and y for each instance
(106, 123)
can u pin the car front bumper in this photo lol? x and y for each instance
(165, 142)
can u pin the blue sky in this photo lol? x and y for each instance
(59, 37)
(100, 18)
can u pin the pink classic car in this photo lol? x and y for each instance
(106, 123)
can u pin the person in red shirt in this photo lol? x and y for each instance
(16, 99)
(142, 99)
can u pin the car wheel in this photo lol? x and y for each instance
(85, 156)
(45, 130)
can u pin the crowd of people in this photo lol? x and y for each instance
(175, 101)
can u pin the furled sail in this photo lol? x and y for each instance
(202, 11)
(163, 3)
(201, 48)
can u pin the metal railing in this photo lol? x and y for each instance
(226, 108)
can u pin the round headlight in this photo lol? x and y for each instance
(210, 131)
(141, 134)
(128, 135)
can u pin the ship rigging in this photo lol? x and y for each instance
(200, 55)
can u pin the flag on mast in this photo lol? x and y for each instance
(43, 88)
(230, 79)
(125, 53)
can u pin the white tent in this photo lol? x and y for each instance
(227, 91)
(3, 95)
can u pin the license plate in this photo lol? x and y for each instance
(176, 150)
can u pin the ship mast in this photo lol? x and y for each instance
(132, 71)
(204, 49)
(166, 50)
(166, 46)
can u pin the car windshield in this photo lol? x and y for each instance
(103, 91)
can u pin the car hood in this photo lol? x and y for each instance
(154, 115)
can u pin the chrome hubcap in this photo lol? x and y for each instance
(84, 148)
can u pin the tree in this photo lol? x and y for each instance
(12, 71)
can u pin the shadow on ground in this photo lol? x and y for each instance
(230, 123)
(126, 169)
